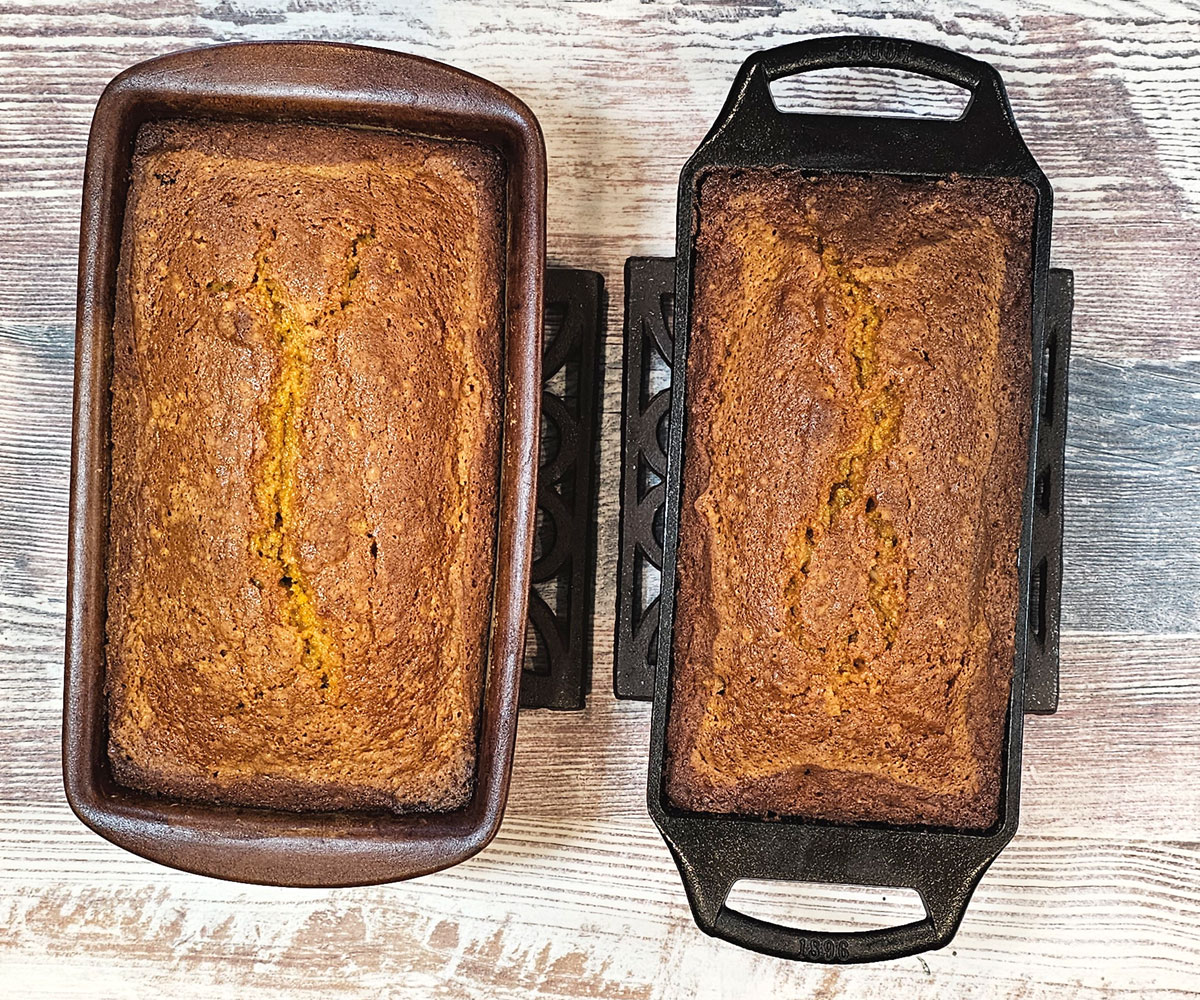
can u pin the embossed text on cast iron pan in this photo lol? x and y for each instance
(336, 84)
(712, 851)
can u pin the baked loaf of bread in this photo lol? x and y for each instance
(305, 415)
(856, 452)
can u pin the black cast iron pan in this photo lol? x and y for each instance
(943, 865)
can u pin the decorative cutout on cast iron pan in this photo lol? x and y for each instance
(1041, 665)
(649, 345)
(557, 669)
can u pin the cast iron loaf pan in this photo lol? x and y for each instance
(344, 85)
(714, 851)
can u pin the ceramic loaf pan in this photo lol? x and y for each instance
(333, 84)
(943, 865)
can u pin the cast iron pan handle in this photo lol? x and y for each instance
(988, 104)
(944, 884)
(934, 931)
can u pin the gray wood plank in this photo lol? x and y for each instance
(1132, 485)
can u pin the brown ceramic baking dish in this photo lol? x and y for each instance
(334, 84)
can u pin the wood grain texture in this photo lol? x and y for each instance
(1098, 896)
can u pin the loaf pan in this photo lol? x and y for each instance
(333, 84)
(943, 865)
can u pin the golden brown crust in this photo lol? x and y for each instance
(305, 461)
(856, 451)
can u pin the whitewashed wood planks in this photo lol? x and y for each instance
(1100, 892)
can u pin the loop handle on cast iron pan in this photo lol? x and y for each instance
(877, 945)
(828, 946)
(861, 51)
(984, 129)
(944, 879)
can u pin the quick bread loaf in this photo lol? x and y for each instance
(858, 411)
(305, 432)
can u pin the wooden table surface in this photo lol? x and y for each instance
(1098, 895)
